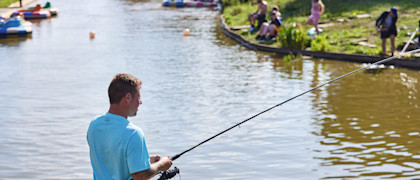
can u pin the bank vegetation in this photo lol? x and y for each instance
(348, 26)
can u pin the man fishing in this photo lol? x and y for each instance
(117, 147)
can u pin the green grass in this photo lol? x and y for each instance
(339, 36)
(7, 3)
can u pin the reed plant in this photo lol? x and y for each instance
(292, 37)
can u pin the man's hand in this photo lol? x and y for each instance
(157, 164)
(165, 162)
(154, 158)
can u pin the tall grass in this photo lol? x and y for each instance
(7, 3)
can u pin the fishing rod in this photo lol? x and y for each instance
(290, 99)
(294, 97)
(410, 40)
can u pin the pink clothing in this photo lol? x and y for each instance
(315, 16)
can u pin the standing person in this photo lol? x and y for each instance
(316, 11)
(258, 15)
(386, 25)
(117, 147)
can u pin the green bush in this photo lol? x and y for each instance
(320, 43)
(292, 37)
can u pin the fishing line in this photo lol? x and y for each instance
(292, 98)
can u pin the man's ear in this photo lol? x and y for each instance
(127, 97)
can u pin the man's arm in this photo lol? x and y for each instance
(380, 20)
(258, 9)
(162, 164)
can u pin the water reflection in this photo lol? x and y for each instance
(15, 42)
(194, 87)
(370, 131)
(292, 69)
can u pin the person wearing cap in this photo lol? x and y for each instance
(385, 24)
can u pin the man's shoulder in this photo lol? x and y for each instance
(109, 121)
(385, 13)
(134, 133)
(133, 128)
(97, 118)
(262, 3)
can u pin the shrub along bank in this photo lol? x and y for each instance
(344, 27)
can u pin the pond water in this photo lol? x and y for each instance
(365, 126)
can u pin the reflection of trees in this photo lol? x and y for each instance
(290, 70)
(370, 123)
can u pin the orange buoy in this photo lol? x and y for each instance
(92, 34)
(186, 32)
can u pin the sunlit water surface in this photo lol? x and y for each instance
(365, 126)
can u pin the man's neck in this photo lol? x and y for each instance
(115, 109)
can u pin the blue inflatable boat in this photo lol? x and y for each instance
(15, 27)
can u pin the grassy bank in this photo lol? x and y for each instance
(346, 30)
(7, 3)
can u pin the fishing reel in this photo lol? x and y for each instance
(169, 174)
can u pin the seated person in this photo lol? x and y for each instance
(258, 15)
(269, 30)
(37, 7)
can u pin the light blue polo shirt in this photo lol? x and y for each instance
(117, 148)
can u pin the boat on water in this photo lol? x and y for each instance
(15, 27)
(47, 6)
(189, 3)
(36, 13)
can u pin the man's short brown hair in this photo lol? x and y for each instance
(120, 85)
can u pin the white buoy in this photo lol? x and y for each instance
(186, 32)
